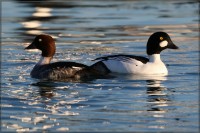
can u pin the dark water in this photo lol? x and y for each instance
(85, 30)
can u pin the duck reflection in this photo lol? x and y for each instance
(158, 101)
(46, 89)
(157, 96)
(46, 92)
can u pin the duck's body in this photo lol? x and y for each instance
(127, 64)
(130, 64)
(57, 70)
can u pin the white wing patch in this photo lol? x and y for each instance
(77, 68)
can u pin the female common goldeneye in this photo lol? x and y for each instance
(132, 64)
(57, 70)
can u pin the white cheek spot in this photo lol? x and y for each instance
(163, 44)
(40, 40)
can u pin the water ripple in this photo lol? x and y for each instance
(84, 30)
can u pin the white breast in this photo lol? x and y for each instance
(153, 68)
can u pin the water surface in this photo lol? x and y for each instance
(83, 31)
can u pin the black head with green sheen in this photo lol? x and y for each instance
(158, 42)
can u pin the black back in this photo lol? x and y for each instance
(139, 58)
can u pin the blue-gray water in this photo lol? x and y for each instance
(85, 30)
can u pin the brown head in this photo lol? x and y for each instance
(45, 43)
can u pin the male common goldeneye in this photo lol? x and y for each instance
(57, 70)
(132, 64)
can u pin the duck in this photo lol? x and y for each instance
(44, 69)
(134, 64)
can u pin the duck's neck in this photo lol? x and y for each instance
(154, 58)
(44, 60)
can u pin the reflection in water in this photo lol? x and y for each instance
(42, 12)
(34, 24)
(154, 78)
(31, 24)
(157, 100)
(54, 107)
(157, 97)
(46, 92)
(144, 102)
(156, 91)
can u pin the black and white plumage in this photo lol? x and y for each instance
(123, 57)
(131, 64)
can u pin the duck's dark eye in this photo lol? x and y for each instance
(40, 40)
(161, 38)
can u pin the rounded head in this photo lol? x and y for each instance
(159, 41)
(45, 43)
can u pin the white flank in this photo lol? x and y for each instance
(163, 44)
(118, 66)
(154, 66)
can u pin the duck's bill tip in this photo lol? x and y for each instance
(31, 46)
(173, 46)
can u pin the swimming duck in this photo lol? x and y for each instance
(57, 70)
(132, 64)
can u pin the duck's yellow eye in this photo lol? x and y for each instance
(161, 38)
